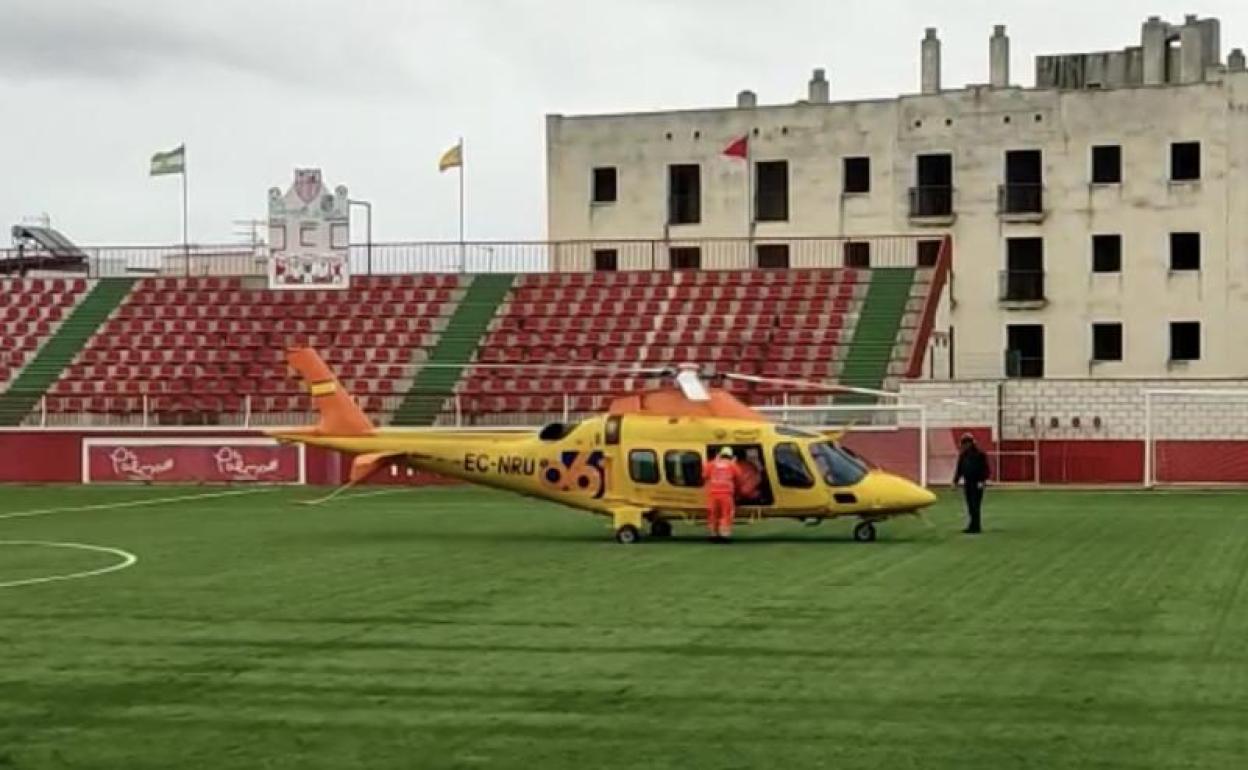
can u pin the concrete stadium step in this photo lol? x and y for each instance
(60, 349)
(433, 384)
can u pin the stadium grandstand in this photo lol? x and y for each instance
(442, 348)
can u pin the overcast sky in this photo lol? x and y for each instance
(372, 91)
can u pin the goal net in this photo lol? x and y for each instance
(894, 437)
(1195, 437)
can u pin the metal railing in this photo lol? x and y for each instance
(931, 201)
(1020, 198)
(498, 256)
(1021, 286)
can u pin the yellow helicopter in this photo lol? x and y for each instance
(639, 464)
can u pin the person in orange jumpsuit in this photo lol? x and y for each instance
(721, 477)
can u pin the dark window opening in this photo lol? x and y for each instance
(858, 254)
(606, 260)
(1025, 351)
(1185, 161)
(684, 202)
(772, 256)
(683, 468)
(1185, 341)
(857, 175)
(1107, 342)
(929, 253)
(1024, 354)
(1184, 251)
(1024, 271)
(686, 257)
(604, 185)
(1106, 253)
(643, 466)
(932, 196)
(1107, 164)
(1022, 192)
(771, 191)
(791, 469)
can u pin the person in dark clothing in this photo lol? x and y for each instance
(973, 474)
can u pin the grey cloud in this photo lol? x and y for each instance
(114, 41)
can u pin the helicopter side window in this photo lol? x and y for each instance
(791, 469)
(643, 466)
(683, 468)
(838, 468)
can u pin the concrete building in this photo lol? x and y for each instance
(1100, 218)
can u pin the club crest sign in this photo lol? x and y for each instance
(309, 235)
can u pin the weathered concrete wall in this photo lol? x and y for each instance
(977, 126)
(1105, 409)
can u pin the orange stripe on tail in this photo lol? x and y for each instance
(340, 415)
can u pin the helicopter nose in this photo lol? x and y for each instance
(903, 494)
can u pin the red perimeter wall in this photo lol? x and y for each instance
(54, 456)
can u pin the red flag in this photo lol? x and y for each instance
(740, 148)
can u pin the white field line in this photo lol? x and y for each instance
(131, 503)
(127, 559)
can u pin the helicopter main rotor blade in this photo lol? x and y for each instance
(812, 385)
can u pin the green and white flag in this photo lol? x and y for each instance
(172, 162)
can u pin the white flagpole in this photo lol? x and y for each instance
(749, 198)
(463, 254)
(186, 241)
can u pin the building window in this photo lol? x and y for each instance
(1023, 191)
(683, 468)
(1185, 161)
(929, 253)
(643, 466)
(771, 191)
(684, 190)
(606, 260)
(932, 195)
(1107, 342)
(1184, 251)
(1107, 164)
(307, 234)
(1107, 253)
(685, 257)
(791, 469)
(772, 256)
(857, 175)
(1024, 270)
(604, 185)
(1185, 341)
(858, 254)
(1024, 354)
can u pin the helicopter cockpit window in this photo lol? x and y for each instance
(643, 466)
(791, 469)
(837, 467)
(683, 468)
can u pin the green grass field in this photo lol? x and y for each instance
(446, 628)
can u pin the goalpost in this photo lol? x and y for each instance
(893, 436)
(1195, 436)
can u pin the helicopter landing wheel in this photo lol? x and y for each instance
(627, 535)
(660, 528)
(864, 532)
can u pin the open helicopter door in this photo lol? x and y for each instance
(757, 490)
